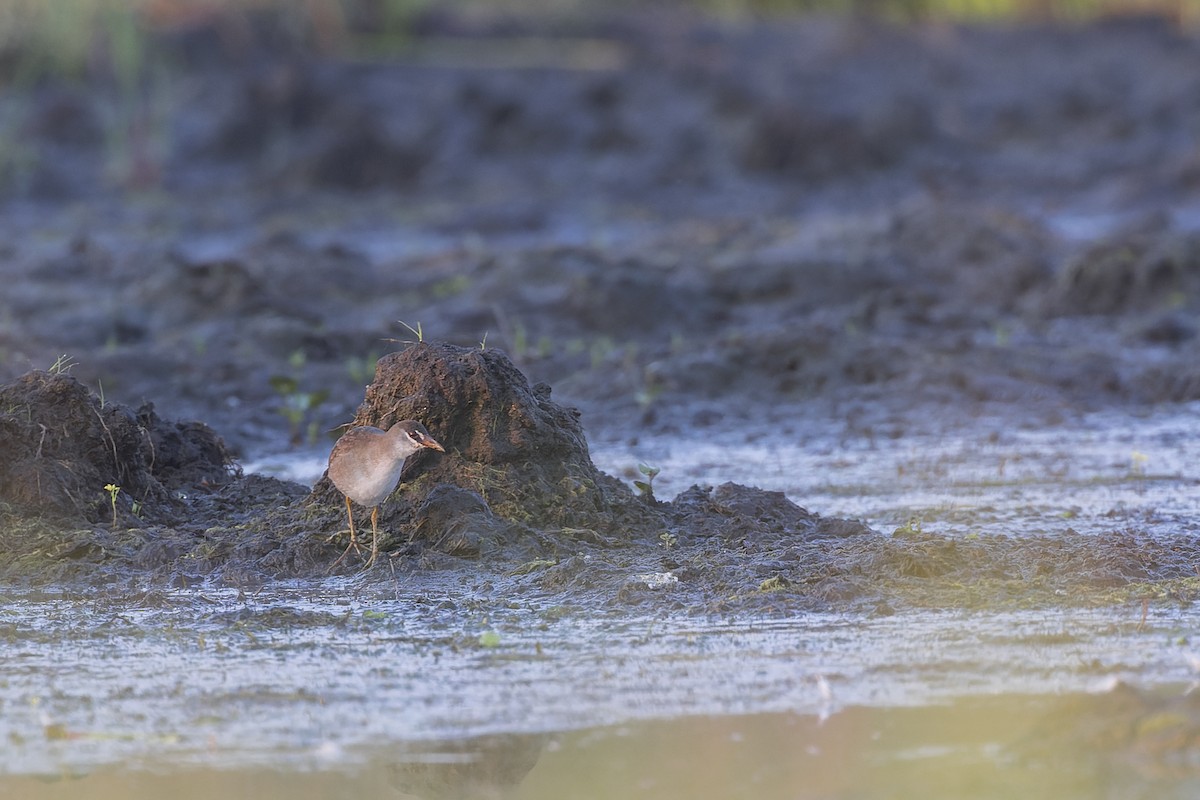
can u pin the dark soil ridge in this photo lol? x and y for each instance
(63, 445)
(515, 503)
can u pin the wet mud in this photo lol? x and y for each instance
(516, 490)
(515, 497)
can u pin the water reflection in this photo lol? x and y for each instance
(475, 769)
(1118, 744)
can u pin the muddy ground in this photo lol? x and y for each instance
(676, 226)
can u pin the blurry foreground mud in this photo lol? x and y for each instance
(516, 499)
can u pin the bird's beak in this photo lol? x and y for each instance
(432, 444)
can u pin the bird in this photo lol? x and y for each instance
(365, 466)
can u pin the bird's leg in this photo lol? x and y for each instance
(353, 537)
(374, 537)
(350, 516)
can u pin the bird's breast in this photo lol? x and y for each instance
(367, 485)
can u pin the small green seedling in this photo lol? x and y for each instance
(113, 490)
(296, 404)
(417, 331)
(668, 539)
(646, 487)
(520, 340)
(362, 369)
(62, 365)
(646, 395)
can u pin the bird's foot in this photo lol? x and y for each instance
(374, 551)
(352, 546)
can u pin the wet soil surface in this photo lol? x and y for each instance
(907, 317)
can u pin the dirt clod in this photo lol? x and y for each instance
(63, 446)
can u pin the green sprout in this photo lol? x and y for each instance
(62, 365)
(417, 331)
(113, 490)
(483, 341)
(646, 488)
(520, 340)
(450, 287)
(297, 405)
(646, 395)
(362, 370)
(600, 349)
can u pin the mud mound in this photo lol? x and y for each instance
(62, 446)
(817, 143)
(508, 442)
(970, 257)
(575, 292)
(1139, 273)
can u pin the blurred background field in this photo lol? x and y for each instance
(74, 36)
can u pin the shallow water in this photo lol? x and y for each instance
(378, 690)
(321, 680)
(1086, 474)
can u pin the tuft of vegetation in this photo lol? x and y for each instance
(646, 488)
(62, 365)
(113, 490)
(362, 370)
(418, 331)
(297, 405)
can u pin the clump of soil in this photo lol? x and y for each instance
(62, 446)
(1132, 273)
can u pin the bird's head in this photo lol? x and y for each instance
(415, 433)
